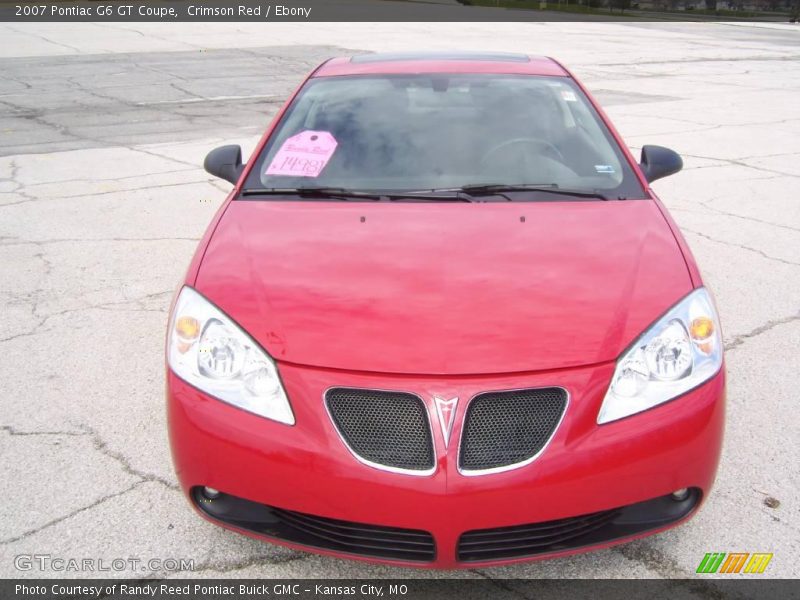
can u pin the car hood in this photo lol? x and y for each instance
(443, 288)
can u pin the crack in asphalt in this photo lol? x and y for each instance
(101, 446)
(19, 188)
(739, 162)
(500, 584)
(228, 566)
(225, 188)
(740, 246)
(768, 326)
(652, 558)
(44, 39)
(707, 204)
(16, 432)
(37, 116)
(95, 240)
(114, 179)
(678, 62)
(29, 333)
(161, 156)
(69, 515)
(668, 568)
(129, 190)
(114, 306)
(139, 106)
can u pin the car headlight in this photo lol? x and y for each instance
(206, 349)
(678, 353)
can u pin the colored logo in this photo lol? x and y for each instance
(446, 409)
(734, 562)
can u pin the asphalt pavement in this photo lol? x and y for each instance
(103, 131)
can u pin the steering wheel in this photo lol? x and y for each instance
(542, 147)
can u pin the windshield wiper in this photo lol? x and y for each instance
(313, 192)
(500, 189)
(433, 195)
(340, 193)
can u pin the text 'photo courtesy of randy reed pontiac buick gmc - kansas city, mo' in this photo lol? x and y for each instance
(442, 320)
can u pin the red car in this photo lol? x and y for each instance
(443, 321)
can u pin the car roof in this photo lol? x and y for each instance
(440, 62)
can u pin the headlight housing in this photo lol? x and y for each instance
(679, 352)
(208, 350)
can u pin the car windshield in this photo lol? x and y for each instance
(404, 133)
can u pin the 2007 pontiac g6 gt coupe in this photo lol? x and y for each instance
(443, 320)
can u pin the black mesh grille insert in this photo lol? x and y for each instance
(386, 428)
(505, 428)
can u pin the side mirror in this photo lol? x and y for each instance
(658, 162)
(225, 162)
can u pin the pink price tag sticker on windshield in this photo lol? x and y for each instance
(303, 155)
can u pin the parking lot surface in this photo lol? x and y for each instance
(103, 131)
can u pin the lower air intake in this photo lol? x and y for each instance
(348, 537)
(532, 539)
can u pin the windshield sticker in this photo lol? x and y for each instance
(569, 95)
(303, 155)
(604, 168)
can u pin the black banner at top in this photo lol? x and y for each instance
(268, 11)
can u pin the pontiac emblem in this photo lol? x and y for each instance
(446, 409)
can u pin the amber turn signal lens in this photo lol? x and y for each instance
(187, 327)
(701, 329)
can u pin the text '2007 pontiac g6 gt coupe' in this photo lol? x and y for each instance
(442, 320)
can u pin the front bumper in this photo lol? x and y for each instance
(585, 469)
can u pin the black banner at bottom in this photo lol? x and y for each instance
(397, 589)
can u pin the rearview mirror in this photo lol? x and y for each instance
(225, 162)
(658, 162)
